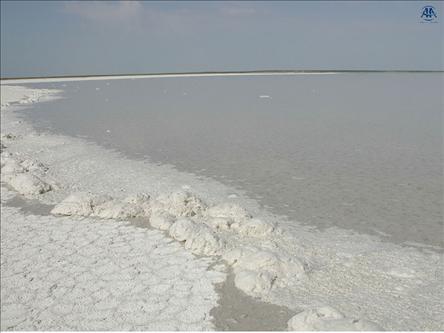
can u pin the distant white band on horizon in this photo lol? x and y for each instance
(121, 77)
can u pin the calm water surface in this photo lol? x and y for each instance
(359, 151)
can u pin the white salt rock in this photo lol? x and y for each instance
(219, 223)
(10, 166)
(307, 320)
(181, 203)
(260, 259)
(34, 166)
(266, 265)
(204, 242)
(228, 211)
(182, 229)
(328, 319)
(138, 199)
(81, 204)
(198, 238)
(161, 221)
(115, 209)
(141, 199)
(255, 228)
(252, 282)
(28, 184)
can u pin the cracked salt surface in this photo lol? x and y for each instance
(278, 261)
(85, 274)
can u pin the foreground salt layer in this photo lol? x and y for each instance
(328, 319)
(86, 274)
(388, 278)
(203, 231)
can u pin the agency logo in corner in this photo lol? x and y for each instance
(429, 14)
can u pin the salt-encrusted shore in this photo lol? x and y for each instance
(88, 274)
(369, 284)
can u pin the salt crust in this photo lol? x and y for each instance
(204, 230)
(187, 219)
(225, 220)
(328, 319)
(83, 274)
(24, 175)
(258, 269)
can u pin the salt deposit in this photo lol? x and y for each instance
(183, 229)
(79, 204)
(24, 176)
(180, 203)
(328, 319)
(258, 269)
(10, 165)
(114, 209)
(204, 241)
(255, 227)
(198, 227)
(134, 206)
(229, 211)
(161, 221)
(148, 76)
(28, 184)
(279, 262)
(219, 223)
(70, 273)
(198, 238)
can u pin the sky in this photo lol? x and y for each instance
(47, 38)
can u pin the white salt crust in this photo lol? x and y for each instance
(279, 261)
(25, 176)
(329, 319)
(71, 273)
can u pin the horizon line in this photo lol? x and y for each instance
(282, 71)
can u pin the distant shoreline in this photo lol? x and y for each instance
(255, 72)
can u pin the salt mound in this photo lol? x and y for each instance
(228, 211)
(257, 269)
(328, 319)
(34, 166)
(198, 238)
(181, 203)
(205, 242)
(254, 227)
(141, 199)
(28, 184)
(219, 223)
(161, 221)
(81, 204)
(134, 206)
(253, 283)
(182, 229)
(10, 166)
(115, 209)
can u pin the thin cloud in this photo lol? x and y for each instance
(235, 10)
(105, 11)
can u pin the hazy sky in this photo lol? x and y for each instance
(64, 38)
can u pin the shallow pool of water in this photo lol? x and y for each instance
(359, 151)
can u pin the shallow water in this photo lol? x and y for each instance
(359, 151)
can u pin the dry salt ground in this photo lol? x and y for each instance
(85, 274)
(85, 260)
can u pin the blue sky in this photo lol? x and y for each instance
(41, 38)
